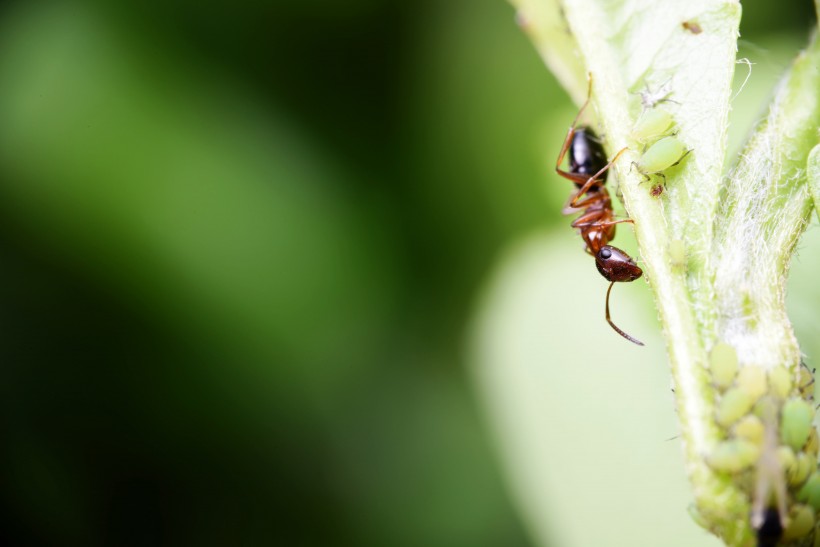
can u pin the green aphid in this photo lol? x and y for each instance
(766, 407)
(723, 364)
(786, 457)
(801, 522)
(661, 156)
(652, 124)
(802, 468)
(734, 404)
(750, 428)
(752, 380)
(780, 381)
(733, 456)
(810, 493)
(796, 423)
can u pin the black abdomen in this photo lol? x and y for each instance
(586, 155)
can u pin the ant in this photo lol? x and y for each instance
(588, 168)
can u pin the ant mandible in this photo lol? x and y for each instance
(588, 169)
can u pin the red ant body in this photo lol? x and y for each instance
(588, 171)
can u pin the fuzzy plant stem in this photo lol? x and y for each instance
(764, 207)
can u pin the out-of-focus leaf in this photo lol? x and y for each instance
(584, 419)
(187, 192)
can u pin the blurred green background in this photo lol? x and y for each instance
(241, 247)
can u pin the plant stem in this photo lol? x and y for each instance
(716, 251)
(679, 289)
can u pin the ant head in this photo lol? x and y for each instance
(616, 265)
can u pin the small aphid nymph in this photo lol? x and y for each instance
(723, 365)
(734, 404)
(796, 423)
(810, 493)
(733, 455)
(650, 99)
(651, 124)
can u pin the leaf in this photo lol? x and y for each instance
(582, 427)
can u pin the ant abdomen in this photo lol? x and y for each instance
(587, 157)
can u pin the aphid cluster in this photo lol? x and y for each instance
(770, 444)
(654, 132)
(588, 169)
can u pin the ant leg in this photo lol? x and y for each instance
(601, 223)
(586, 103)
(566, 174)
(590, 218)
(588, 201)
(594, 179)
(568, 140)
(598, 218)
(611, 324)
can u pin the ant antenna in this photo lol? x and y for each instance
(586, 103)
(613, 325)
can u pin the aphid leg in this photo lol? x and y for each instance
(613, 325)
(680, 159)
(637, 167)
(662, 176)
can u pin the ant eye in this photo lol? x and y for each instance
(605, 253)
